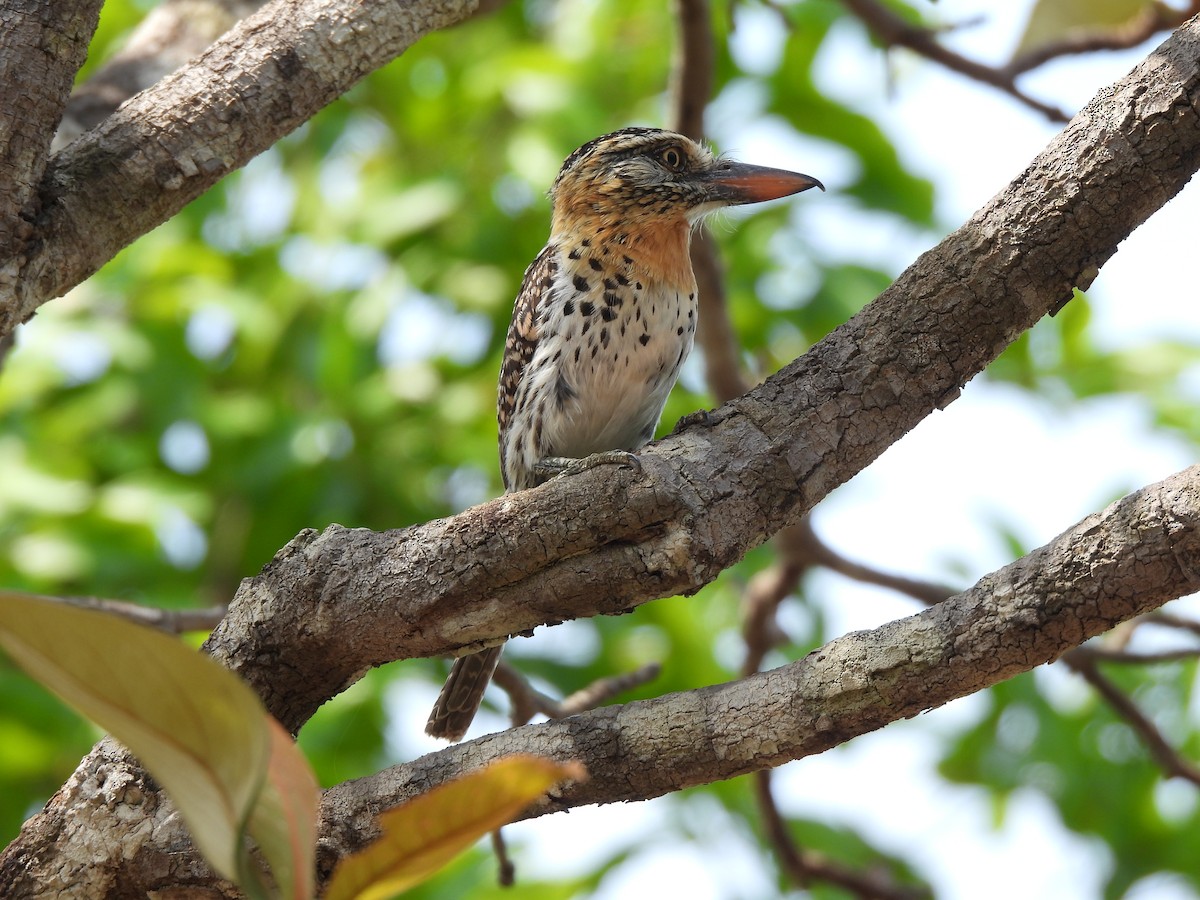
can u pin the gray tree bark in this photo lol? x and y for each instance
(332, 605)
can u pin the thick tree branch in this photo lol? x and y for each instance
(330, 606)
(172, 33)
(42, 46)
(169, 144)
(1134, 556)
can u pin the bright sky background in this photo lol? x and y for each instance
(993, 455)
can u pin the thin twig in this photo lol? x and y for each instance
(1083, 660)
(1170, 620)
(1152, 20)
(604, 689)
(893, 31)
(506, 875)
(807, 866)
(527, 701)
(1104, 654)
(820, 553)
(172, 621)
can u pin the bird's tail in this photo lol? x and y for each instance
(462, 693)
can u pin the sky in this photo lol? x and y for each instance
(993, 455)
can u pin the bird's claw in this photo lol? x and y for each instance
(701, 417)
(552, 466)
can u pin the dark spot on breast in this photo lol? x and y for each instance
(644, 339)
(587, 323)
(622, 280)
(609, 284)
(574, 254)
(562, 390)
(581, 283)
(691, 313)
(679, 331)
(576, 354)
(594, 349)
(595, 264)
(587, 242)
(569, 308)
(638, 286)
(608, 314)
(611, 299)
(604, 336)
(692, 295)
(547, 282)
(587, 307)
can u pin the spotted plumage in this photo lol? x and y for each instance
(604, 320)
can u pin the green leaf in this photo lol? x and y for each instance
(422, 835)
(1053, 21)
(284, 820)
(195, 726)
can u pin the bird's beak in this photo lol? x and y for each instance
(736, 183)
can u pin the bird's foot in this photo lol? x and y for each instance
(552, 466)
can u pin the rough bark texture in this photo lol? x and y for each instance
(169, 144)
(1134, 556)
(172, 33)
(42, 45)
(331, 605)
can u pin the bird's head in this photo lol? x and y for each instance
(637, 177)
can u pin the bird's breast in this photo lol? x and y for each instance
(621, 341)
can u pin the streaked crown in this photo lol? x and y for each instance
(638, 175)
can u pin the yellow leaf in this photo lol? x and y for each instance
(284, 820)
(422, 835)
(195, 726)
(1053, 21)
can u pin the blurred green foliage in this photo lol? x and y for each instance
(316, 341)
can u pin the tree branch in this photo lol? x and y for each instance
(42, 46)
(1134, 556)
(172, 33)
(1155, 17)
(330, 606)
(894, 31)
(1083, 661)
(171, 143)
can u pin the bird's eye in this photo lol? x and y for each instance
(672, 158)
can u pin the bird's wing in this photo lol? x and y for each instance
(523, 333)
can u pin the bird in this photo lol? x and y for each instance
(605, 317)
